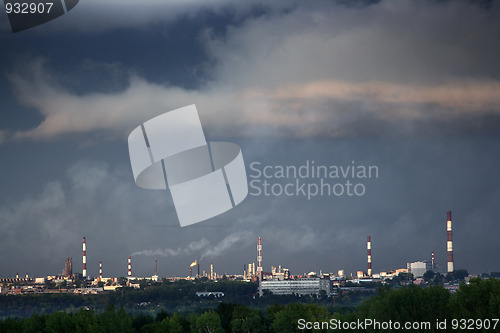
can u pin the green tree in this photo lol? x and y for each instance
(113, 320)
(428, 276)
(438, 279)
(246, 320)
(35, 323)
(161, 315)
(225, 312)
(287, 319)
(209, 322)
(139, 320)
(480, 299)
(143, 283)
(403, 279)
(11, 325)
(178, 324)
(460, 274)
(60, 322)
(411, 303)
(85, 320)
(122, 281)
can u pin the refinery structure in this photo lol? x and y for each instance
(278, 281)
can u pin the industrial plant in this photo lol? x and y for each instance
(278, 281)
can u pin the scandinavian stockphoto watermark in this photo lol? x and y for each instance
(310, 179)
(454, 324)
(205, 179)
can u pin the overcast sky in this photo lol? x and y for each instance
(411, 87)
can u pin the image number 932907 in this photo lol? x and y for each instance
(29, 14)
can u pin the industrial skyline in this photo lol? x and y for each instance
(259, 272)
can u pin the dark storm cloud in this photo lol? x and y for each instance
(322, 71)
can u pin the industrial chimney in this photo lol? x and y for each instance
(259, 257)
(449, 243)
(432, 261)
(369, 253)
(129, 267)
(100, 270)
(84, 273)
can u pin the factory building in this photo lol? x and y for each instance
(279, 273)
(68, 268)
(303, 286)
(418, 268)
(251, 269)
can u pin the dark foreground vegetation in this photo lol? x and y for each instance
(171, 297)
(479, 300)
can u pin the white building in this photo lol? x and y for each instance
(304, 286)
(418, 268)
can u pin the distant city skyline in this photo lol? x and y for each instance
(430, 264)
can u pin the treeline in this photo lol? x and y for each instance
(179, 296)
(478, 300)
(172, 297)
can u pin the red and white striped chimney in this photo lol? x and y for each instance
(129, 267)
(259, 256)
(84, 272)
(369, 253)
(449, 244)
(432, 261)
(100, 270)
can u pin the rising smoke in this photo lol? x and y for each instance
(202, 248)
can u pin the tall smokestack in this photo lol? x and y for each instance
(100, 269)
(84, 273)
(129, 267)
(156, 267)
(259, 257)
(212, 277)
(432, 261)
(369, 253)
(449, 243)
(68, 269)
